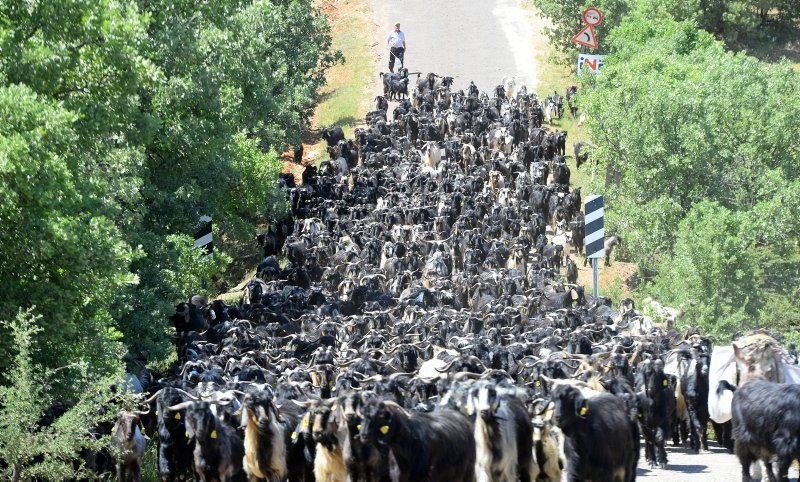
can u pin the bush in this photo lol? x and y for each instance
(31, 451)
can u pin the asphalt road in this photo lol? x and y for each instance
(471, 40)
(683, 465)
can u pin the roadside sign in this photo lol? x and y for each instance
(592, 17)
(594, 232)
(591, 62)
(203, 237)
(594, 237)
(586, 37)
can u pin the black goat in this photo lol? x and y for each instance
(364, 462)
(174, 450)
(381, 103)
(657, 409)
(587, 421)
(428, 446)
(218, 448)
(188, 318)
(572, 271)
(582, 150)
(694, 385)
(332, 135)
(766, 425)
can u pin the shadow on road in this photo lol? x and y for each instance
(671, 470)
(688, 469)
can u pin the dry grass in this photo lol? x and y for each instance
(345, 99)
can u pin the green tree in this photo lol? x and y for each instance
(121, 122)
(33, 452)
(712, 271)
(57, 251)
(683, 121)
(706, 180)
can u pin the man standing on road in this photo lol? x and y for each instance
(397, 46)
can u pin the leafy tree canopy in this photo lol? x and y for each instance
(122, 122)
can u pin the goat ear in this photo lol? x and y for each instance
(581, 407)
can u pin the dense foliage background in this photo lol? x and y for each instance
(699, 159)
(736, 22)
(123, 123)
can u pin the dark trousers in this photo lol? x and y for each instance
(396, 52)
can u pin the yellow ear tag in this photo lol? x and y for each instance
(156, 413)
(358, 426)
(213, 434)
(305, 422)
(666, 382)
(583, 411)
(334, 407)
(494, 405)
(177, 415)
(186, 434)
(538, 383)
(385, 429)
(294, 435)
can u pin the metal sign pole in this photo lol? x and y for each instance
(595, 278)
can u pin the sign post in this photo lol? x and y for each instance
(592, 17)
(594, 237)
(591, 62)
(586, 37)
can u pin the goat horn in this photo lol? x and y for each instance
(153, 396)
(193, 397)
(181, 406)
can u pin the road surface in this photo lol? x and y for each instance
(478, 40)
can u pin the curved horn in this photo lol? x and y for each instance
(181, 406)
(185, 393)
(447, 367)
(153, 396)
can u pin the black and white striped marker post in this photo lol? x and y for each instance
(203, 237)
(594, 237)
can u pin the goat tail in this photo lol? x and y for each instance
(725, 385)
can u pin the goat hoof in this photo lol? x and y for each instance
(663, 466)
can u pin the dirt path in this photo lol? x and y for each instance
(471, 40)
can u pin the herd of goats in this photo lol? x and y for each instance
(427, 325)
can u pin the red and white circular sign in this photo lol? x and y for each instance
(592, 16)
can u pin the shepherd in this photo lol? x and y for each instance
(396, 40)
